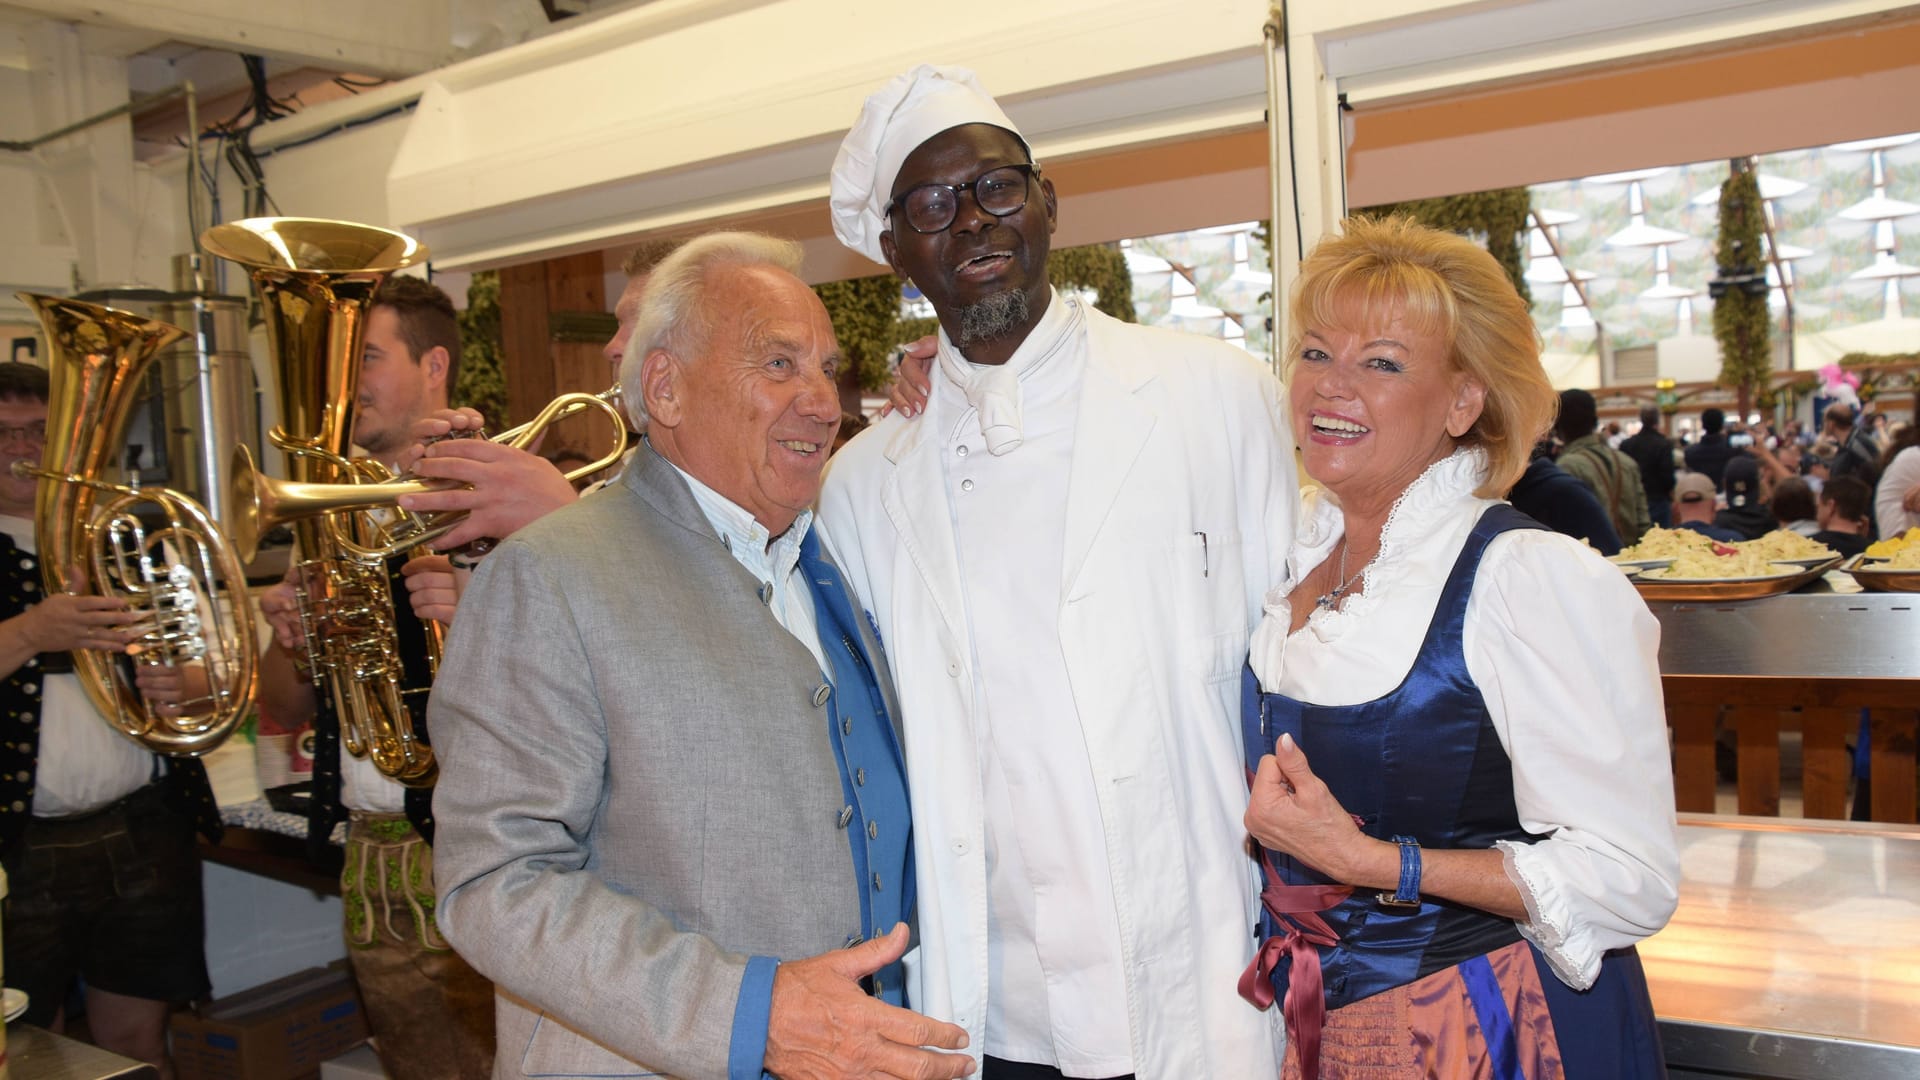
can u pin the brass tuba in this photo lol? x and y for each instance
(166, 575)
(316, 281)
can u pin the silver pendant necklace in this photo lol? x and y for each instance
(1329, 599)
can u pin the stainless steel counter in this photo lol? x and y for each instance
(1795, 952)
(38, 1054)
(1799, 635)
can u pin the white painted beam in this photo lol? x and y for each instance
(374, 37)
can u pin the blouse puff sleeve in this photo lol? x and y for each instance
(1566, 655)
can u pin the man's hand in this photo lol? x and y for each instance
(912, 385)
(64, 621)
(434, 587)
(282, 610)
(436, 425)
(823, 1025)
(165, 686)
(504, 489)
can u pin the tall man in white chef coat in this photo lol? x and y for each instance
(1064, 555)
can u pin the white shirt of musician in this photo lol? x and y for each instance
(84, 764)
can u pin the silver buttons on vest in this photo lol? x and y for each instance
(873, 827)
(846, 725)
(821, 695)
(766, 593)
(860, 777)
(846, 815)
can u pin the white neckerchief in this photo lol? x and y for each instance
(994, 389)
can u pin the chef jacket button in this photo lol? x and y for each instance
(966, 485)
(953, 668)
(821, 695)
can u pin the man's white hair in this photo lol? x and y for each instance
(674, 313)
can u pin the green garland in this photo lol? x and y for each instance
(1860, 359)
(1499, 215)
(866, 311)
(1101, 268)
(481, 383)
(1741, 322)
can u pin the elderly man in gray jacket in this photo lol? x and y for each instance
(673, 816)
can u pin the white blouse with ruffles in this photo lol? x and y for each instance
(1566, 655)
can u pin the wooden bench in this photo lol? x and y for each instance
(1811, 661)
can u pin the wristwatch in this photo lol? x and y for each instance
(1407, 897)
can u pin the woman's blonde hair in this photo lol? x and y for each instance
(1447, 286)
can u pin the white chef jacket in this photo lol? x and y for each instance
(1056, 993)
(1567, 656)
(1179, 505)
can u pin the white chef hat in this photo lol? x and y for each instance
(906, 112)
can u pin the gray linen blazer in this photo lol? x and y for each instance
(637, 790)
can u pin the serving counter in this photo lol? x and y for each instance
(1795, 952)
(1811, 658)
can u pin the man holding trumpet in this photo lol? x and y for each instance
(500, 488)
(431, 1014)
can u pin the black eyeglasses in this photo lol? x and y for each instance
(999, 191)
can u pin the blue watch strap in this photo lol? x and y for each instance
(1408, 895)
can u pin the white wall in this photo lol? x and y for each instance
(259, 929)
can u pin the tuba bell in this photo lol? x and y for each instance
(316, 282)
(167, 573)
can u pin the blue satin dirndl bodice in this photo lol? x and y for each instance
(1423, 761)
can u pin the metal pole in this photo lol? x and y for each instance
(100, 118)
(1283, 234)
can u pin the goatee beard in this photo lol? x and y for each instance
(994, 317)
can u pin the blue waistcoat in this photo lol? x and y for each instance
(1423, 761)
(873, 777)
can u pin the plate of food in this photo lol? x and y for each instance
(1786, 546)
(14, 1002)
(1888, 574)
(1680, 564)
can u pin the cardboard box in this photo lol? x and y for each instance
(282, 1030)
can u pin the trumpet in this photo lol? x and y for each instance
(260, 502)
(167, 576)
(316, 281)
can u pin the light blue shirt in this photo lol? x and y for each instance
(775, 565)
